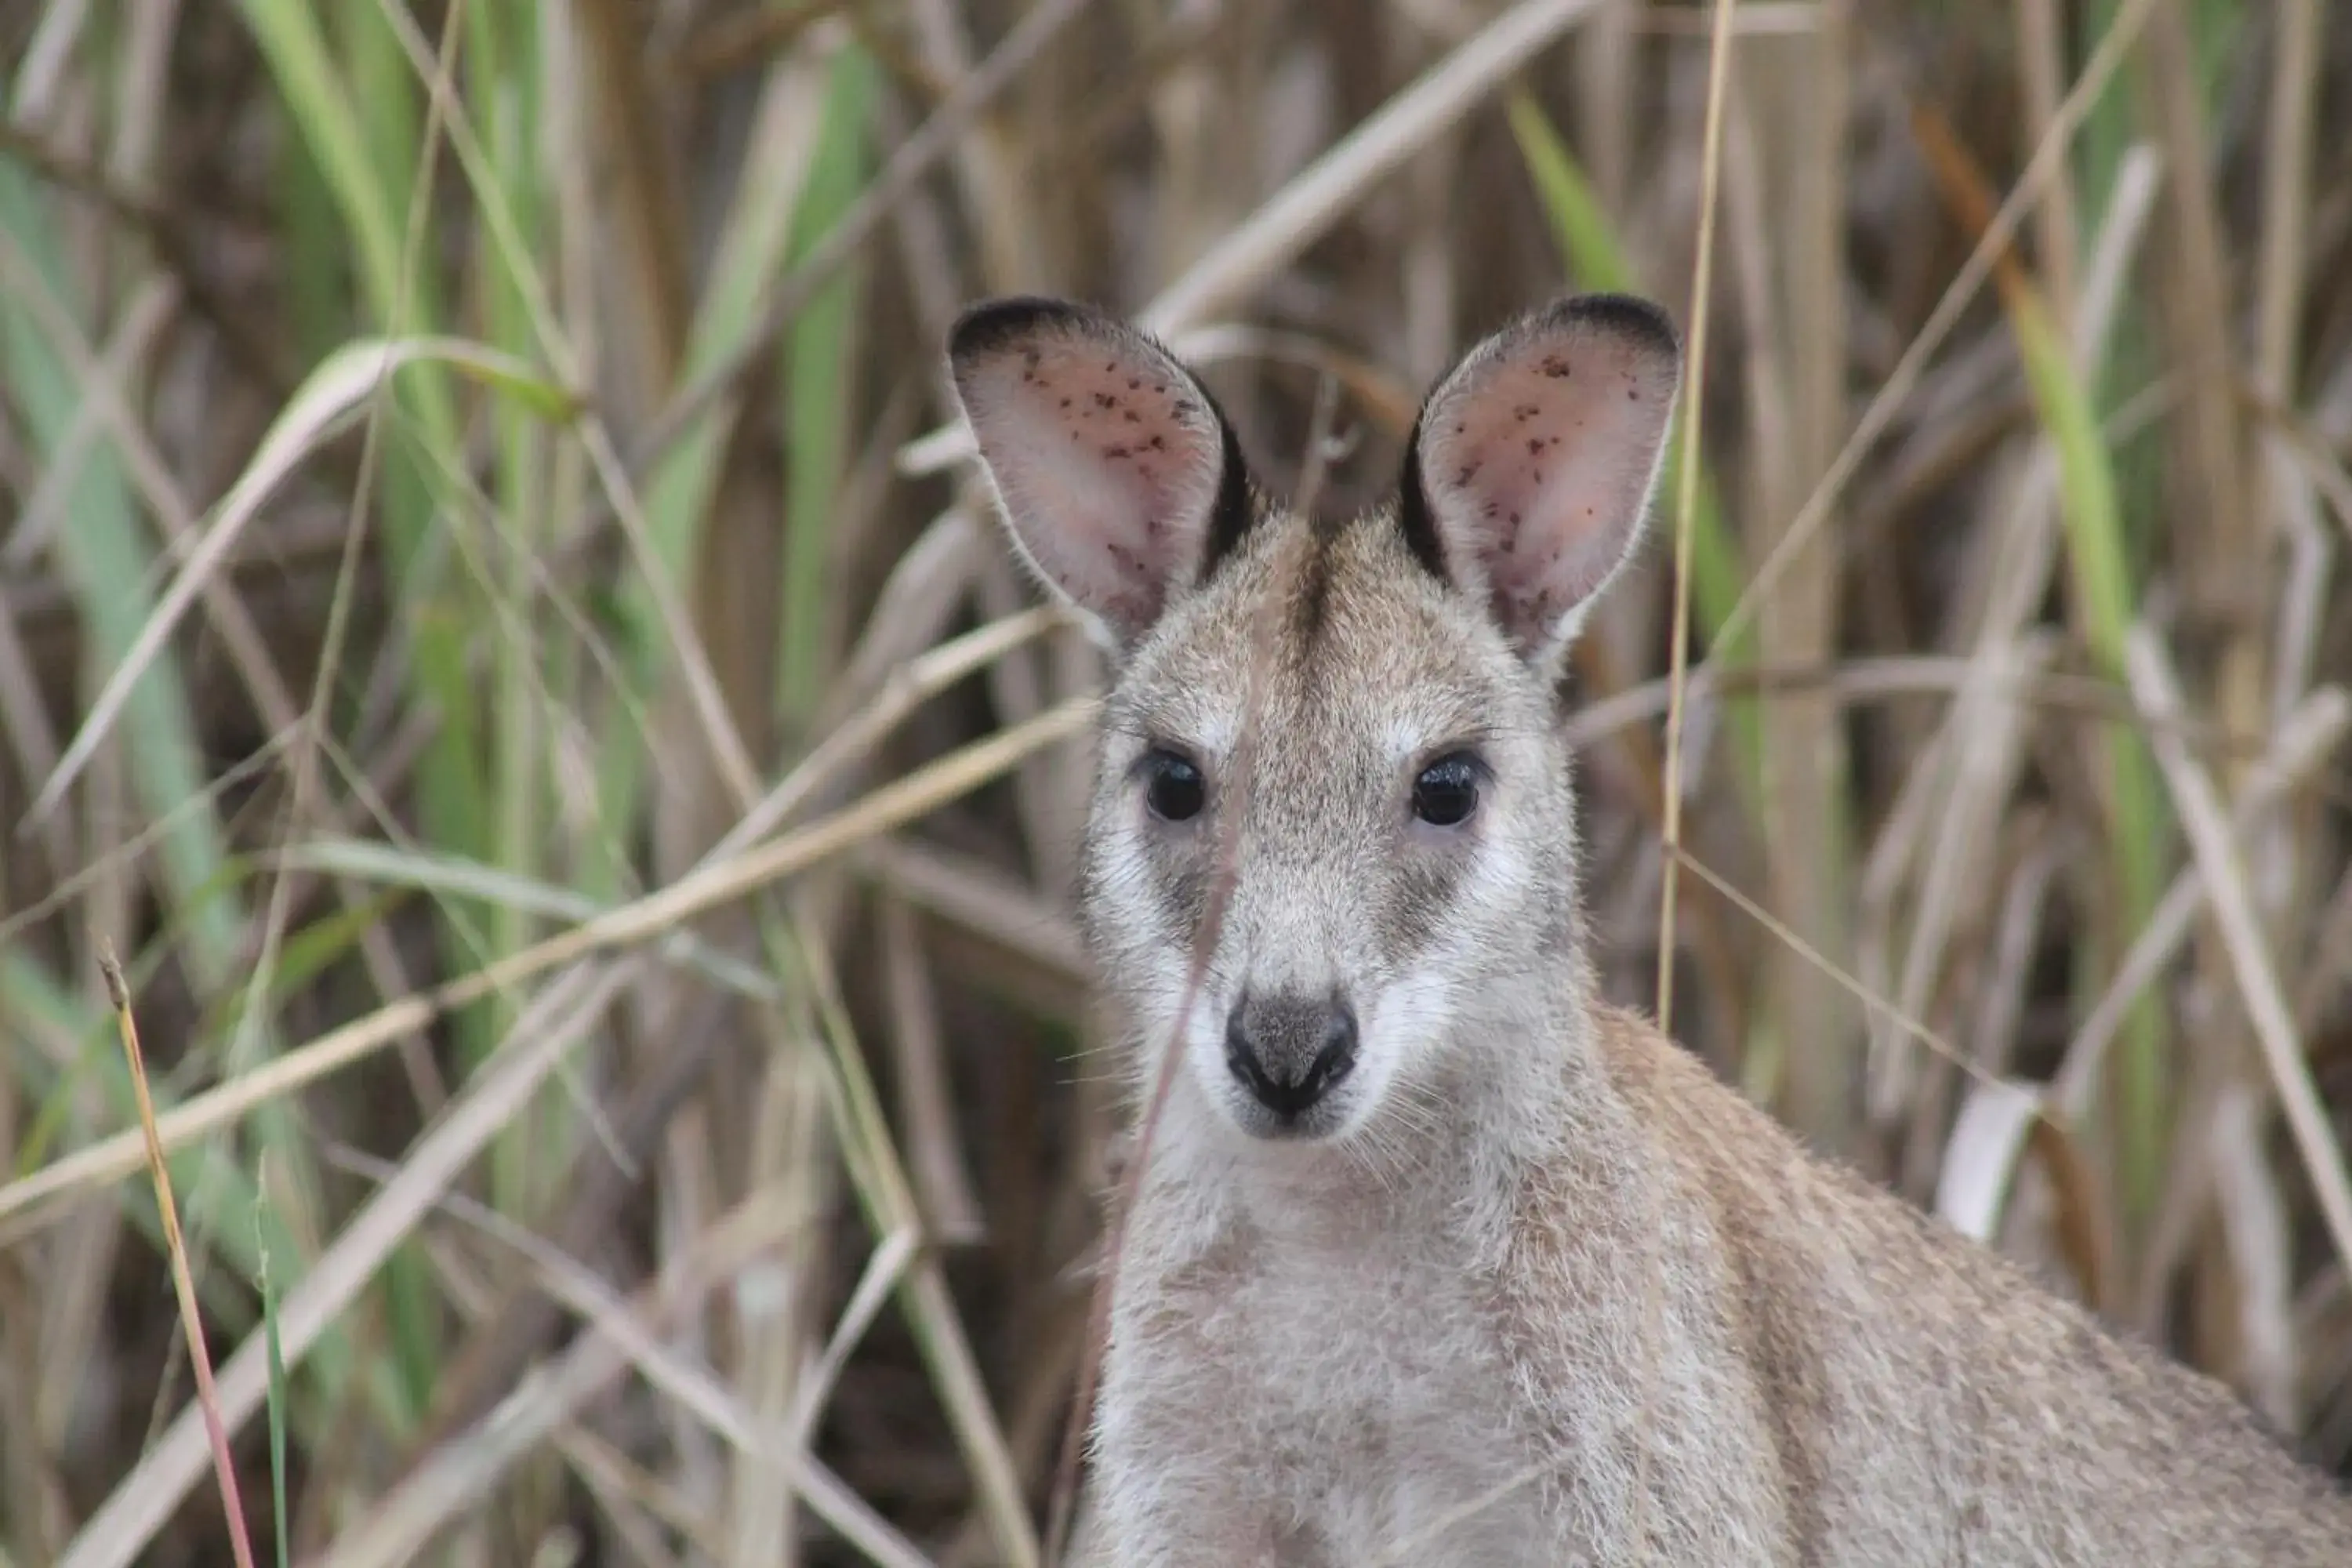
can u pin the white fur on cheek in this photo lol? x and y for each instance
(1204, 1048)
(1126, 916)
(1413, 1013)
(1407, 1021)
(1502, 872)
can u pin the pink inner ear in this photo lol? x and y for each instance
(1107, 458)
(1538, 464)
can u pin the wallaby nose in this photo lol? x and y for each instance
(1288, 1050)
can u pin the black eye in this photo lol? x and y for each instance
(1446, 792)
(1173, 787)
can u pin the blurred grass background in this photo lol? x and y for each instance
(497, 633)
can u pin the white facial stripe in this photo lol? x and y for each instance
(1404, 739)
(1216, 732)
(1193, 722)
(1410, 733)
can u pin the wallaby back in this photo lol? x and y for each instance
(1436, 1258)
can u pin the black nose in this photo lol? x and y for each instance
(1288, 1051)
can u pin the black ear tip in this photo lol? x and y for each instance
(989, 325)
(1619, 315)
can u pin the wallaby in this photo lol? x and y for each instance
(1437, 1259)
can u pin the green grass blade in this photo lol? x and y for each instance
(2100, 580)
(326, 112)
(818, 365)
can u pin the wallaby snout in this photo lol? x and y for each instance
(1290, 1051)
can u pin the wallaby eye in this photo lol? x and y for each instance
(1173, 787)
(1446, 792)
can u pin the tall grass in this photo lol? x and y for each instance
(496, 629)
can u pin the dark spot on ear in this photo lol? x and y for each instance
(1132, 418)
(1066, 402)
(1633, 394)
(1105, 400)
(1159, 389)
(1134, 383)
(1115, 452)
(1158, 443)
(1469, 471)
(1555, 366)
(1524, 412)
(1535, 446)
(1515, 520)
(1109, 365)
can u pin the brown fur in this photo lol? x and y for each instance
(1923, 1399)
(1526, 1285)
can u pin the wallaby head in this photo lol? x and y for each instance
(1346, 731)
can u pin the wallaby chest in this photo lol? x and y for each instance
(1329, 1394)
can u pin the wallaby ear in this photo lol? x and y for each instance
(1529, 473)
(1120, 480)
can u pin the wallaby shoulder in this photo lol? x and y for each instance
(1922, 1398)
